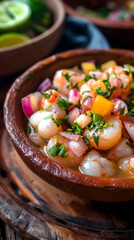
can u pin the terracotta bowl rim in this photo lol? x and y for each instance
(32, 154)
(105, 23)
(49, 31)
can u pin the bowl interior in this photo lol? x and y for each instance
(57, 175)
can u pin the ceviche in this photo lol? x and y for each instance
(112, 12)
(84, 118)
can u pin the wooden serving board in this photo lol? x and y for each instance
(37, 210)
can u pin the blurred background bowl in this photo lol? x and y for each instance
(119, 34)
(68, 180)
(17, 58)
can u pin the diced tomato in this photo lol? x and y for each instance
(42, 103)
(70, 108)
(53, 97)
(83, 111)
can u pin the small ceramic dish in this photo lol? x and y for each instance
(119, 32)
(17, 58)
(68, 180)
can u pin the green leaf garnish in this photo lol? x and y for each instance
(128, 143)
(57, 121)
(58, 149)
(48, 107)
(86, 140)
(96, 139)
(85, 92)
(63, 104)
(48, 117)
(96, 117)
(86, 98)
(122, 111)
(46, 95)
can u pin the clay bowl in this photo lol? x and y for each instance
(89, 187)
(116, 32)
(18, 58)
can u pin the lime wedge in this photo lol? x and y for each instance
(11, 39)
(14, 16)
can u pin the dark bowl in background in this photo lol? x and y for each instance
(118, 33)
(17, 58)
(68, 180)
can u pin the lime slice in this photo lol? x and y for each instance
(14, 15)
(11, 39)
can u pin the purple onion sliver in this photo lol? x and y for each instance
(26, 105)
(70, 136)
(45, 85)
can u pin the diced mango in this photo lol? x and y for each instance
(98, 84)
(102, 106)
(108, 64)
(87, 66)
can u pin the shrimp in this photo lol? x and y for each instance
(94, 164)
(126, 165)
(107, 138)
(85, 94)
(62, 84)
(44, 123)
(120, 150)
(71, 160)
(36, 139)
(120, 80)
(51, 104)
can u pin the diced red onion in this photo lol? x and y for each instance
(97, 75)
(88, 102)
(114, 82)
(26, 105)
(129, 126)
(73, 115)
(118, 103)
(46, 84)
(70, 136)
(115, 16)
(74, 96)
(78, 147)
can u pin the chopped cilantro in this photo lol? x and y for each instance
(131, 96)
(122, 111)
(85, 92)
(54, 88)
(67, 76)
(77, 128)
(96, 139)
(58, 149)
(57, 121)
(48, 107)
(126, 71)
(86, 140)
(111, 124)
(86, 98)
(132, 85)
(48, 117)
(63, 104)
(100, 92)
(28, 129)
(96, 117)
(46, 95)
(128, 143)
(76, 86)
(66, 117)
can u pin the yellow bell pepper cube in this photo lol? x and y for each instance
(98, 84)
(108, 64)
(87, 66)
(102, 106)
